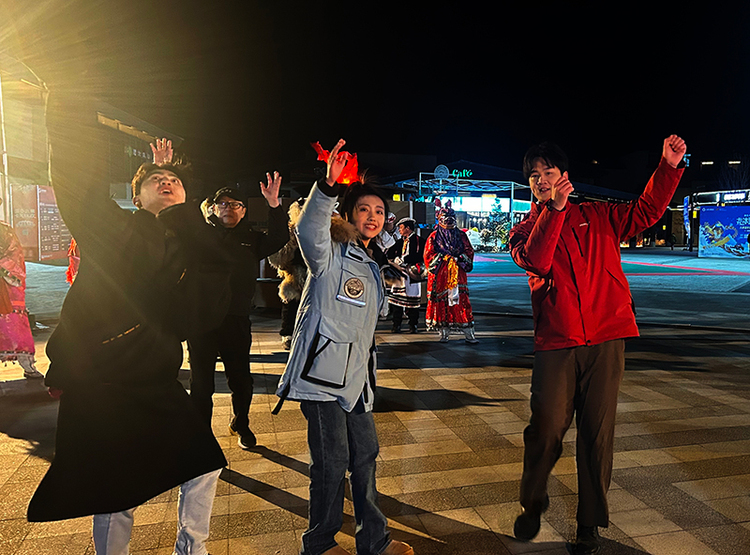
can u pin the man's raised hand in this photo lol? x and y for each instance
(271, 190)
(674, 150)
(336, 162)
(162, 151)
(560, 192)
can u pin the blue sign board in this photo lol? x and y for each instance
(724, 232)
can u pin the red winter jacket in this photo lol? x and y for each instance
(579, 292)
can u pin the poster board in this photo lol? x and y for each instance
(724, 231)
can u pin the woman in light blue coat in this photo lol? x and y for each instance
(331, 367)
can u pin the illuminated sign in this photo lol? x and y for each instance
(740, 196)
(462, 173)
(132, 152)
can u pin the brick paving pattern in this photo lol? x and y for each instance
(450, 419)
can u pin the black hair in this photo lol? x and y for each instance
(180, 170)
(354, 192)
(549, 153)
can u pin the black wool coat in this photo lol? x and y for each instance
(126, 428)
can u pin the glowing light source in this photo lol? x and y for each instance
(350, 173)
(707, 163)
(734, 162)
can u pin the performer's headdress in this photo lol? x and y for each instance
(445, 215)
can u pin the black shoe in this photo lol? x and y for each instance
(413, 329)
(529, 521)
(587, 540)
(396, 329)
(246, 439)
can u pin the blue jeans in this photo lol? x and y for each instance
(112, 530)
(339, 441)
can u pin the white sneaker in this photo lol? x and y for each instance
(445, 335)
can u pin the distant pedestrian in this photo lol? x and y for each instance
(449, 256)
(16, 341)
(672, 241)
(583, 310)
(387, 237)
(74, 261)
(407, 254)
(331, 369)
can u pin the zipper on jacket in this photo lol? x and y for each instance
(371, 370)
(578, 290)
(578, 242)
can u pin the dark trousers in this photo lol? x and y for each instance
(288, 317)
(338, 441)
(232, 340)
(411, 313)
(584, 380)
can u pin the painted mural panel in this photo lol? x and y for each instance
(724, 231)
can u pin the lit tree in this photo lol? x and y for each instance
(498, 224)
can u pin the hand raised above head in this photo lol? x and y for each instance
(336, 162)
(674, 150)
(162, 151)
(271, 191)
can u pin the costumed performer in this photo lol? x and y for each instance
(449, 256)
(16, 341)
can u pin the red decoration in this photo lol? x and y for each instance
(349, 174)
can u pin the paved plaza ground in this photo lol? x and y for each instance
(450, 419)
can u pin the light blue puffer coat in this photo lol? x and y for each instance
(333, 348)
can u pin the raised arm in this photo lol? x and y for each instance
(78, 167)
(630, 219)
(278, 228)
(313, 228)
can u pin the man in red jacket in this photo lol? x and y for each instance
(583, 311)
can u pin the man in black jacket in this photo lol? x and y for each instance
(407, 254)
(232, 339)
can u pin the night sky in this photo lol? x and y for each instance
(250, 84)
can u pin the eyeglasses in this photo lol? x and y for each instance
(233, 205)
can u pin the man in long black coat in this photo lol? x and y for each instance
(126, 429)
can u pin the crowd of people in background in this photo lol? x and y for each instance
(184, 269)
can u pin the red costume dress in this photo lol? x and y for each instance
(16, 342)
(449, 255)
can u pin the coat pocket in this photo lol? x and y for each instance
(329, 354)
(354, 295)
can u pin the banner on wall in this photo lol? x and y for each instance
(724, 232)
(38, 224)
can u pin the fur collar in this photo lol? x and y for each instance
(341, 231)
